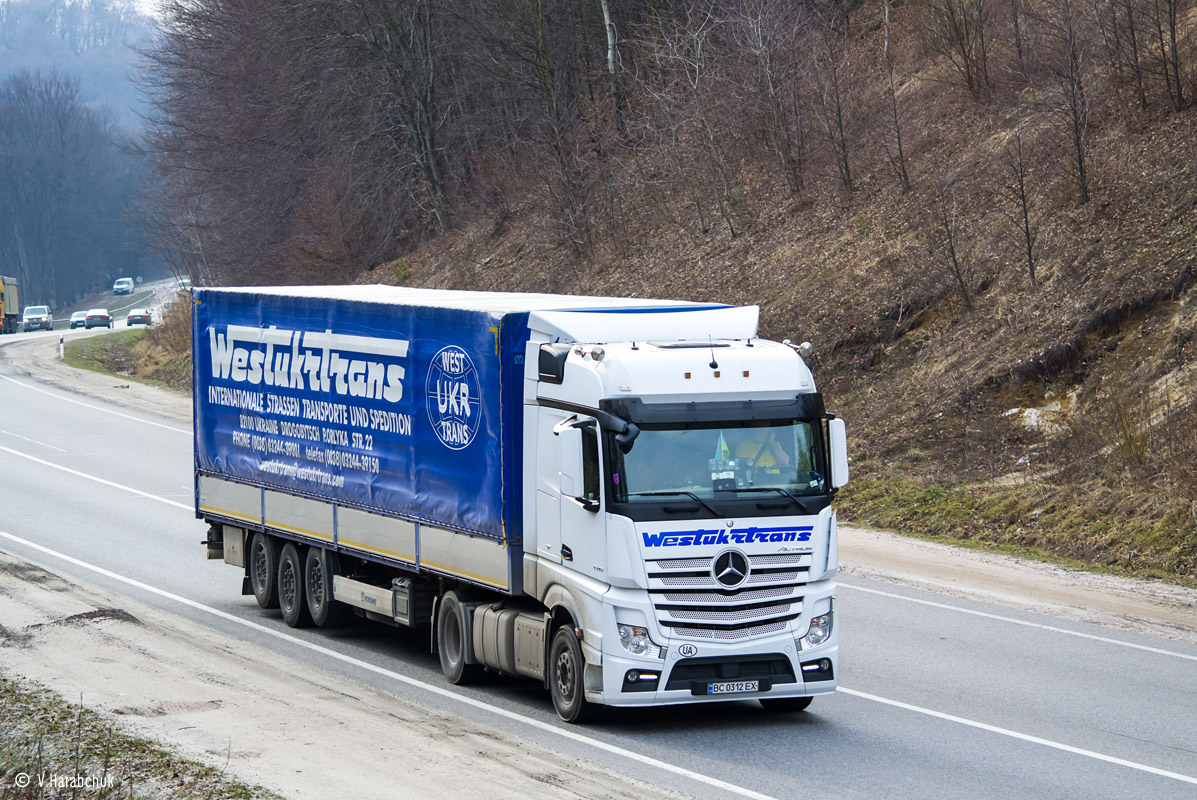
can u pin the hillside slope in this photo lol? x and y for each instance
(1055, 415)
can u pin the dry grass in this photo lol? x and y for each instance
(43, 737)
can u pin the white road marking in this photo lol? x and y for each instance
(1025, 623)
(35, 441)
(404, 679)
(84, 475)
(1023, 736)
(142, 420)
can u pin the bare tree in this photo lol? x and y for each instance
(945, 240)
(766, 32)
(1017, 204)
(67, 179)
(1068, 106)
(897, 157)
(614, 79)
(1124, 30)
(1016, 17)
(957, 30)
(1164, 17)
(829, 30)
(402, 37)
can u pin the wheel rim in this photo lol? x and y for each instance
(286, 587)
(316, 582)
(261, 568)
(567, 678)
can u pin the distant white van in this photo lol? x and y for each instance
(123, 286)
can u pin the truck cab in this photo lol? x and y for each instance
(681, 512)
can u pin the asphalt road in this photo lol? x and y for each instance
(941, 697)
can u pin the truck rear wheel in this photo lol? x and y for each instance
(290, 588)
(784, 704)
(453, 640)
(263, 569)
(318, 571)
(567, 668)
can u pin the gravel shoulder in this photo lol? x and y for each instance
(266, 719)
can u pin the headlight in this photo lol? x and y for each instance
(635, 640)
(820, 631)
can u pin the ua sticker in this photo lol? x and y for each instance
(687, 651)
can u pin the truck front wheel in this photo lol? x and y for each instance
(290, 588)
(567, 668)
(263, 569)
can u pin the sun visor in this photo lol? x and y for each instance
(648, 323)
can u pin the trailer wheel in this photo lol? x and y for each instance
(290, 588)
(453, 636)
(318, 571)
(263, 569)
(567, 667)
(786, 704)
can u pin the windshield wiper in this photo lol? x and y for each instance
(691, 495)
(793, 498)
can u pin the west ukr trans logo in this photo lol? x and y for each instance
(453, 398)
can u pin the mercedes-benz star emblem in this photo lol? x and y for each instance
(730, 568)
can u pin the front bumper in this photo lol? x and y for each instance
(776, 662)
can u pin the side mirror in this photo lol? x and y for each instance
(839, 453)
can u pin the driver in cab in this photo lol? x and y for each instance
(760, 444)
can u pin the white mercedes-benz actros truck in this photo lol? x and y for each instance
(627, 500)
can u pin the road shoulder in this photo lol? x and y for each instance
(267, 719)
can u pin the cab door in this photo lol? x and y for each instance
(580, 470)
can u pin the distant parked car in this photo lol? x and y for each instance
(123, 286)
(139, 316)
(37, 317)
(97, 318)
(78, 319)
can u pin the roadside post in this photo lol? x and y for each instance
(61, 350)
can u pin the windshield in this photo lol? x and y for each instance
(34, 311)
(726, 460)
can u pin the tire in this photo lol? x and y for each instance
(453, 640)
(263, 569)
(318, 570)
(291, 598)
(567, 670)
(786, 704)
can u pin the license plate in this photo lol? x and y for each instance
(733, 687)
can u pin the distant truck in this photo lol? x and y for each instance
(10, 305)
(626, 500)
(123, 286)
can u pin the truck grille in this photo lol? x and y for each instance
(690, 603)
